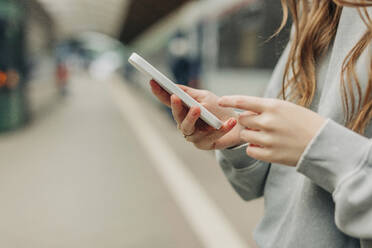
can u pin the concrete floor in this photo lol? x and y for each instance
(78, 177)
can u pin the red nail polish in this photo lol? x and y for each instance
(232, 122)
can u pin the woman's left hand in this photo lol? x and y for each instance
(279, 131)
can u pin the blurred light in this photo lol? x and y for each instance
(179, 47)
(3, 78)
(105, 65)
(75, 16)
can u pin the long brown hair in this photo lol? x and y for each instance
(315, 24)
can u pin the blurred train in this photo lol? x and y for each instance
(26, 40)
(226, 44)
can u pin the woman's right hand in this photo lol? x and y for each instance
(194, 129)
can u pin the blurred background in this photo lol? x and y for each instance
(88, 157)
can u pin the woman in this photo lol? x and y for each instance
(305, 147)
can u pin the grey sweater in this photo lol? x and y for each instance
(326, 200)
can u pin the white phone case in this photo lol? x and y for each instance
(143, 66)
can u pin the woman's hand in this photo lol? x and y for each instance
(194, 129)
(279, 131)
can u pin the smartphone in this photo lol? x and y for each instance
(146, 68)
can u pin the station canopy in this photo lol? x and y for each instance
(122, 19)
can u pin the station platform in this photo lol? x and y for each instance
(106, 167)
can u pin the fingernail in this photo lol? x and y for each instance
(232, 122)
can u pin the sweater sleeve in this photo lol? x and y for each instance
(245, 174)
(340, 161)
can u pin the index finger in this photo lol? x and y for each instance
(194, 93)
(160, 93)
(250, 103)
